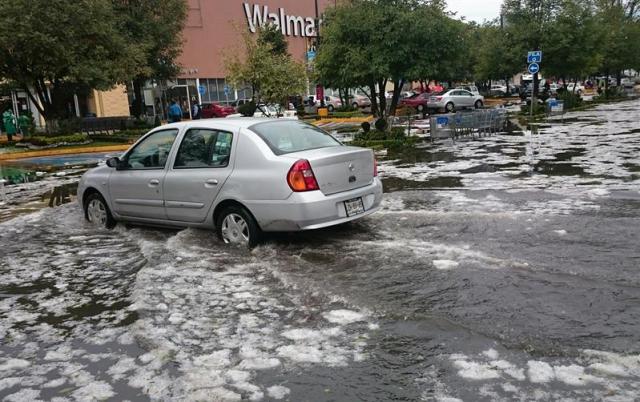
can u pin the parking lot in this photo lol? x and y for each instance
(499, 268)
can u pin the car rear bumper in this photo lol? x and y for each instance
(313, 210)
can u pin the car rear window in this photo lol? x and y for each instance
(287, 136)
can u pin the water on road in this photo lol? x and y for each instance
(499, 268)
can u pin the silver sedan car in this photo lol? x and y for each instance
(240, 177)
(455, 99)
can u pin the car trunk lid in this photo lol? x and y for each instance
(339, 169)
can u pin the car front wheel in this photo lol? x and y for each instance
(420, 108)
(449, 107)
(236, 226)
(97, 212)
(478, 104)
(330, 108)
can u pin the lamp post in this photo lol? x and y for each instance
(321, 92)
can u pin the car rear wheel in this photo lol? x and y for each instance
(97, 212)
(330, 107)
(478, 104)
(355, 105)
(449, 107)
(236, 226)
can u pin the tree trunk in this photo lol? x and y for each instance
(397, 89)
(138, 95)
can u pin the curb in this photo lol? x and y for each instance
(63, 151)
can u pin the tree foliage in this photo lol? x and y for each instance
(272, 74)
(155, 27)
(54, 48)
(367, 43)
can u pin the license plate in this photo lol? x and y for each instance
(354, 206)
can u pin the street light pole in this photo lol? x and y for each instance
(318, 45)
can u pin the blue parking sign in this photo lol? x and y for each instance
(442, 121)
(534, 57)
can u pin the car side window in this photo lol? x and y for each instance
(153, 151)
(204, 148)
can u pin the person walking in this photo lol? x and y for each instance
(9, 121)
(175, 112)
(195, 111)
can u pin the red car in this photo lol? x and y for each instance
(215, 110)
(418, 101)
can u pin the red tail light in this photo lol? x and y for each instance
(301, 177)
(375, 167)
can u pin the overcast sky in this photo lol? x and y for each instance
(476, 10)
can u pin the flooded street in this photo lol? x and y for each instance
(505, 267)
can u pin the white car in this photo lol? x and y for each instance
(240, 177)
(575, 88)
(332, 103)
(270, 111)
(455, 99)
(498, 90)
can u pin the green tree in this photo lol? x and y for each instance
(273, 75)
(367, 43)
(54, 48)
(496, 58)
(620, 24)
(571, 42)
(155, 27)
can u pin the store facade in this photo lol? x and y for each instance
(214, 28)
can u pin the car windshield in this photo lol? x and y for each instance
(287, 136)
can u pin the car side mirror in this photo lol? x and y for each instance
(115, 162)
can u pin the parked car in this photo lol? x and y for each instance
(241, 177)
(417, 101)
(360, 101)
(332, 102)
(216, 110)
(270, 111)
(498, 90)
(577, 88)
(471, 88)
(455, 99)
(627, 82)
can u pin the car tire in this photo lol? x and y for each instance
(478, 104)
(96, 211)
(420, 108)
(330, 108)
(355, 105)
(236, 226)
(449, 107)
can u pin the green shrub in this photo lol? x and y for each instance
(381, 124)
(64, 126)
(58, 139)
(247, 109)
(347, 115)
(346, 109)
(571, 100)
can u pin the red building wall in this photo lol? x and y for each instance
(214, 26)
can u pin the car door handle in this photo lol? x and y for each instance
(154, 182)
(211, 182)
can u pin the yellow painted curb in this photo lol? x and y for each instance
(63, 151)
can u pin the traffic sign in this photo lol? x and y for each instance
(534, 68)
(202, 89)
(534, 57)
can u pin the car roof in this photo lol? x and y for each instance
(228, 122)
